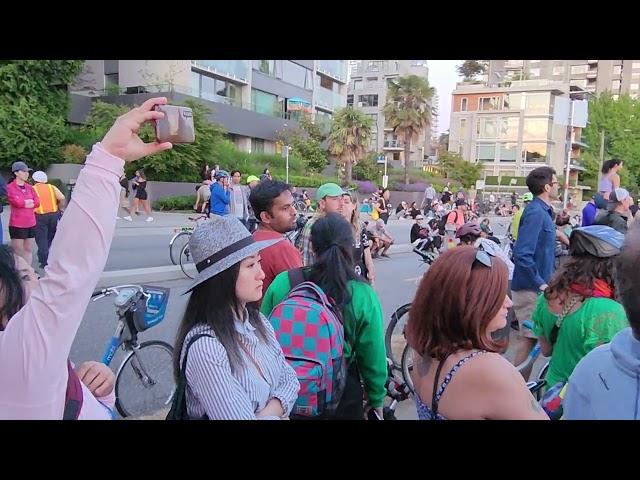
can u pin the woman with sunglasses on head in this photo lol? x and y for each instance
(39, 319)
(458, 373)
(362, 245)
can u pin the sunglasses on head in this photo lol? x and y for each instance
(484, 258)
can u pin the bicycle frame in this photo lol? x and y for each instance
(113, 344)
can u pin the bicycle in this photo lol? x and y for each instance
(181, 255)
(144, 379)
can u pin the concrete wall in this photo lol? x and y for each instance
(132, 73)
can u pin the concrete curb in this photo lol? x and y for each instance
(174, 272)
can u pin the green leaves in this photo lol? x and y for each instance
(456, 168)
(33, 109)
(350, 137)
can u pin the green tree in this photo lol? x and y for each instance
(367, 168)
(305, 142)
(34, 103)
(470, 68)
(457, 168)
(349, 138)
(408, 111)
(620, 122)
(182, 162)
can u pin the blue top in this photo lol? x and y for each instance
(424, 412)
(534, 251)
(589, 214)
(219, 199)
(605, 385)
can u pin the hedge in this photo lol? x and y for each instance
(178, 202)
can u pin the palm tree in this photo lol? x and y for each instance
(350, 137)
(408, 111)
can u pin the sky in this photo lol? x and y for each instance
(443, 76)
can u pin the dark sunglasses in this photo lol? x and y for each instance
(484, 258)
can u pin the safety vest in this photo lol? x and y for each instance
(48, 200)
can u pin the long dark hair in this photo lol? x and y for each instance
(142, 175)
(583, 270)
(332, 240)
(11, 288)
(609, 164)
(213, 303)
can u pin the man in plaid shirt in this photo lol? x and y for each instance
(329, 197)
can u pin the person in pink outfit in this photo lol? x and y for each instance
(39, 319)
(22, 222)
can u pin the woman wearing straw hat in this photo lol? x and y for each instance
(235, 368)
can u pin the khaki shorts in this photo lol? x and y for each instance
(524, 302)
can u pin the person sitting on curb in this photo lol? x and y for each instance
(382, 239)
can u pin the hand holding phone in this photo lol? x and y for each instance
(176, 126)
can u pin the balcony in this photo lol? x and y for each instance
(514, 64)
(393, 145)
(328, 100)
(592, 74)
(237, 70)
(591, 62)
(335, 69)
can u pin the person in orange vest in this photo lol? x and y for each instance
(52, 203)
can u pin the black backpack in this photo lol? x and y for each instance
(179, 404)
(443, 221)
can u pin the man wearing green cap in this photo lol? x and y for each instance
(329, 197)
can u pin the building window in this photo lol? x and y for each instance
(558, 70)
(486, 152)
(579, 69)
(535, 129)
(534, 72)
(372, 79)
(297, 75)
(487, 128)
(367, 100)
(635, 75)
(396, 156)
(634, 86)
(350, 100)
(615, 85)
(617, 69)
(508, 152)
(538, 103)
(263, 102)
(535, 152)
(463, 104)
(509, 128)
(326, 82)
(489, 103)
(635, 65)
(354, 65)
(513, 101)
(463, 129)
(268, 67)
(257, 145)
(357, 84)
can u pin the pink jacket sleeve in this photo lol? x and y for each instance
(36, 343)
(15, 200)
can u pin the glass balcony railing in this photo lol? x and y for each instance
(393, 144)
(334, 68)
(234, 69)
(329, 100)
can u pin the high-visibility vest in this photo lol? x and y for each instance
(48, 200)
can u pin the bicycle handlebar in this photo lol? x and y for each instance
(98, 294)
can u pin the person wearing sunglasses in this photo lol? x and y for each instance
(533, 256)
(458, 371)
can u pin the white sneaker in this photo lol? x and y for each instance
(128, 218)
(118, 218)
(149, 219)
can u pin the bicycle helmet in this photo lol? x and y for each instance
(221, 174)
(469, 228)
(596, 240)
(527, 197)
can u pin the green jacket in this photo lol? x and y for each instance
(363, 329)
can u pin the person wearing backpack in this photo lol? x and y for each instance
(357, 304)
(227, 362)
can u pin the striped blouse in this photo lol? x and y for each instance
(212, 388)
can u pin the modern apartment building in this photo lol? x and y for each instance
(597, 76)
(510, 130)
(252, 99)
(367, 90)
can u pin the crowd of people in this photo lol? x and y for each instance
(274, 331)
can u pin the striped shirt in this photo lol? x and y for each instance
(213, 390)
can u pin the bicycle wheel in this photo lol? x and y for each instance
(176, 245)
(407, 366)
(186, 262)
(144, 382)
(394, 341)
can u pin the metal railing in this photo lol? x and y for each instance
(234, 69)
(393, 144)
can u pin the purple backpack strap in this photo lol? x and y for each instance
(73, 397)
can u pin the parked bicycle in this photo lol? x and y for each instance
(144, 379)
(179, 247)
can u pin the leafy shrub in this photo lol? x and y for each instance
(178, 202)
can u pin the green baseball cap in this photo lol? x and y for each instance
(329, 190)
(252, 178)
